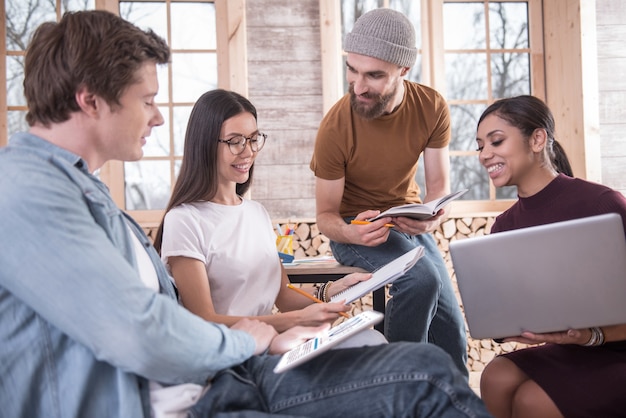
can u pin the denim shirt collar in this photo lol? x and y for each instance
(26, 139)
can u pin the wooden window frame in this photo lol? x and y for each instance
(232, 75)
(567, 52)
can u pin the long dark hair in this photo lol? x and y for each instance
(528, 113)
(198, 179)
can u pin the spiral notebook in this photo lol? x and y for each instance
(316, 346)
(385, 274)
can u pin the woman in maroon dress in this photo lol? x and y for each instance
(576, 372)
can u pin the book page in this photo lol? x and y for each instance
(386, 274)
(421, 210)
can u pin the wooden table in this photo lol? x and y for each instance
(323, 271)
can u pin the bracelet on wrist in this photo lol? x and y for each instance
(596, 339)
(600, 336)
(320, 292)
(325, 297)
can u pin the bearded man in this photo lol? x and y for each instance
(365, 160)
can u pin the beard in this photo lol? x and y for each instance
(374, 110)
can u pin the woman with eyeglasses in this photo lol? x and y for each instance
(220, 247)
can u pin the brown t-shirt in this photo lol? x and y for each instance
(378, 157)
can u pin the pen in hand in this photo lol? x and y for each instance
(313, 298)
(355, 222)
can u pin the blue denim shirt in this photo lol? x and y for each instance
(80, 334)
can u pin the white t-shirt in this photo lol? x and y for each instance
(165, 401)
(237, 244)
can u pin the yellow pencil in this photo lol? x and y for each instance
(313, 298)
(354, 221)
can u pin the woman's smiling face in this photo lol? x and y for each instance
(503, 151)
(236, 168)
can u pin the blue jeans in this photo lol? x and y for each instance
(423, 306)
(389, 380)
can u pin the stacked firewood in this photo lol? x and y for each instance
(309, 241)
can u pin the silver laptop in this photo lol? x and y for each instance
(544, 278)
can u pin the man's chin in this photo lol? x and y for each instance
(136, 156)
(366, 112)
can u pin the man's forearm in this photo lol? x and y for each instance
(333, 226)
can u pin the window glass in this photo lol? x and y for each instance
(147, 184)
(464, 129)
(508, 25)
(470, 175)
(181, 117)
(510, 74)
(158, 144)
(191, 72)
(486, 58)
(192, 75)
(466, 76)
(146, 15)
(15, 80)
(189, 26)
(75, 5)
(22, 18)
(16, 121)
(468, 23)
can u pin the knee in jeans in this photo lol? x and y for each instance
(426, 282)
(433, 356)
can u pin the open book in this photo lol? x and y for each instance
(385, 274)
(421, 210)
(316, 346)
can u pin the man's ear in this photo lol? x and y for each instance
(405, 71)
(87, 101)
(539, 140)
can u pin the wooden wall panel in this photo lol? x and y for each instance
(286, 146)
(283, 181)
(283, 13)
(613, 108)
(570, 42)
(285, 77)
(285, 84)
(610, 12)
(608, 68)
(615, 169)
(613, 139)
(285, 39)
(611, 38)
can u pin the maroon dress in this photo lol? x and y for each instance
(582, 381)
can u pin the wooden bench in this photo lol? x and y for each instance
(325, 271)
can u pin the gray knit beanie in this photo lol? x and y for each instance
(385, 34)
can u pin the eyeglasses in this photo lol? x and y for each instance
(237, 144)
